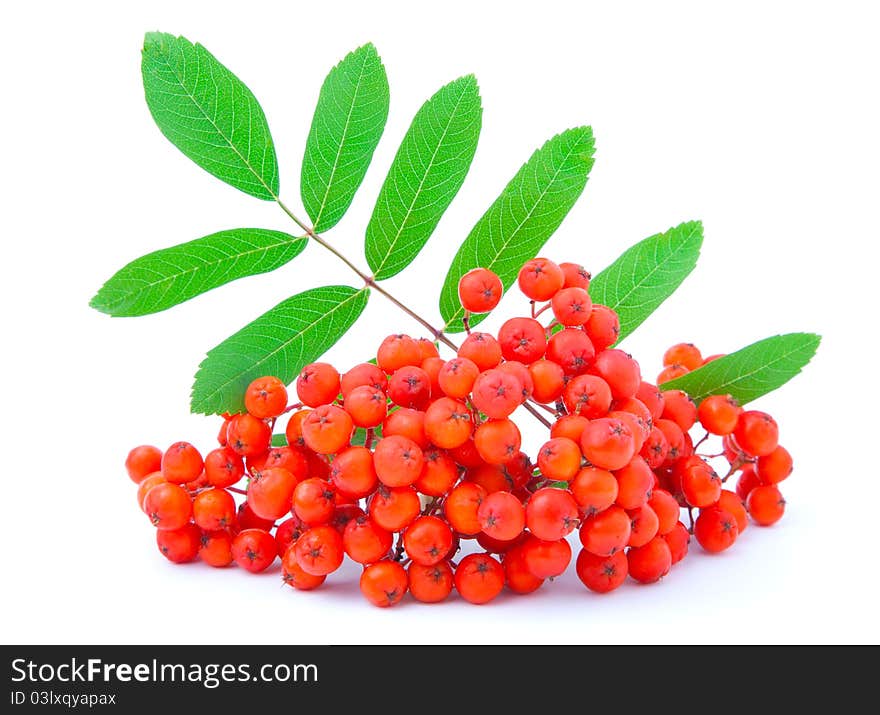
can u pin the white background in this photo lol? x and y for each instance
(761, 120)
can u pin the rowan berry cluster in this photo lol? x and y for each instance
(395, 463)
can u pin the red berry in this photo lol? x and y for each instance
(181, 463)
(594, 489)
(270, 492)
(384, 583)
(517, 575)
(394, 508)
(427, 540)
(606, 532)
(551, 514)
(479, 578)
(587, 395)
(540, 279)
(314, 501)
(719, 414)
(457, 377)
(651, 397)
(667, 374)
(288, 532)
(602, 327)
(365, 541)
(214, 509)
(667, 509)
(223, 467)
(265, 397)
(427, 349)
(601, 573)
(319, 551)
(733, 505)
(479, 290)
(461, 507)
(318, 384)
(410, 386)
(254, 550)
(248, 436)
(352, 472)
(398, 461)
(497, 441)
(700, 483)
(497, 393)
(572, 350)
(576, 276)
(569, 426)
(685, 354)
(655, 448)
(651, 562)
(608, 443)
(367, 406)
(548, 380)
(747, 481)
(572, 306)
(559, 459)
(168, 506)
(501, 516)
(396, 351)
(215, 549)
(406, 422)
(327, 429)
(430, 584)
(774, 467)
(644, 526)
(765, 504)
(634, 482)
(756, 433)
(715, 529)
(679, 408)
(546, 559)
(293, 575)
(439, 473)
(481, 349)
(620, 371)
(179, 545)
(142, 461)
(522, 339)
(247, 519)
(677, 540)
(363, 375)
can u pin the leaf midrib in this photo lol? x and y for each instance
(418, 191)
(176, 276)
(324, 200)
(220, 132)
(281, 346)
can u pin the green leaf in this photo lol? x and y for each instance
(424, 177)
(280, 342)
(346, 128)
(522, 218)
(359, 438)
(164, 278)
(209, 114)
(279, 439)
(751, 372)
(647, 274)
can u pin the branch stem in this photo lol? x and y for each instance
(370, 282)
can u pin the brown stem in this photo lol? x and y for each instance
(368, 280)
